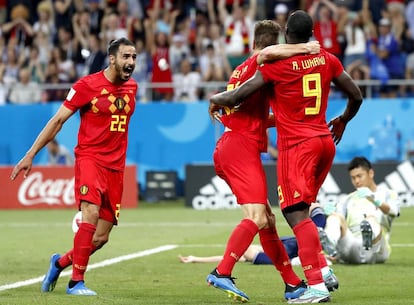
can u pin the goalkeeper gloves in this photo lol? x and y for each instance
(365, 192)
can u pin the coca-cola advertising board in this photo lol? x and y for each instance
(53, 187)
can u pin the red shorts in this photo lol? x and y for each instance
(302, 169)
(101, 186)
(237, 161)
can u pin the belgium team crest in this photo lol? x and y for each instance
(120, 103)
(84, 189)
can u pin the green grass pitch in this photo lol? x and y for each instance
(28, 238)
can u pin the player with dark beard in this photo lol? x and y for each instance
(106, 102)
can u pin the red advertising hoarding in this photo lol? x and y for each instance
(51, 187)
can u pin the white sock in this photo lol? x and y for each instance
(333, 229)
(325, 270)
(376, 228)
(320, 287)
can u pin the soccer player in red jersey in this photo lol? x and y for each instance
(306, 142)
(106, 101)
(237, 160)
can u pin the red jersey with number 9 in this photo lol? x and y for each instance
(301, 85)
(105, 110)
(250, 117)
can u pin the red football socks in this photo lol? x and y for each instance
(82, 250)
(66, 259)
(309, 250)
(274, 249)
(240, 239)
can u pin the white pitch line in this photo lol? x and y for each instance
(104, 263)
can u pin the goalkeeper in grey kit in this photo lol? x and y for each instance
(360, 227)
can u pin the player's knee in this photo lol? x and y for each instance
(100, 240)
(260, 220)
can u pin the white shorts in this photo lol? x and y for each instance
(350, 250)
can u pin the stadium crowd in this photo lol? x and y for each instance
(187, 49)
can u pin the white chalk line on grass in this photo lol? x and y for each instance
(104, 263)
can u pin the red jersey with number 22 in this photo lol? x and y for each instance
(105, 110)
(300, 104)
(250, 117)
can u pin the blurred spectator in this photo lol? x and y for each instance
(12, 65)
(407, 46)
(142, 69)
(325, 16)
(44, 47)
(25, 91)
(376, 67)
(66, 66)
(395, 9)
(69, 45)
(158, 45)
(96, 14)
(3, 11)
(202, 39)
(292, 5)
(211, 65)
(35, 67)
(124, 13)
(112, 28)
(217, 41)
(95, 59)
(186, 83)
(19, 28)
(81, 31)
(377, 8)
(3, 53)
(179, 50)
(159, 12)
(136, 29)
(58, 154)
(281, 14)
(45, 23)
(205, 12)
(409, 17)
(389, 52)
(55, 92)
(64, 10)
(237, 26)
(409, 73)
(355, 52)
(136, 8)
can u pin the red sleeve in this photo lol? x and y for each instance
(267, 72)
(78, 96)
(337, 67)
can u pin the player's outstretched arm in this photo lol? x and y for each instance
(199, 259)
(281, 51)
(236, 96)
(347, 85)
(47, 134)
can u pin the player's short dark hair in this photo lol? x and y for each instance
(359, 162)
(266, 33)
(113, 46)
(299, 26)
